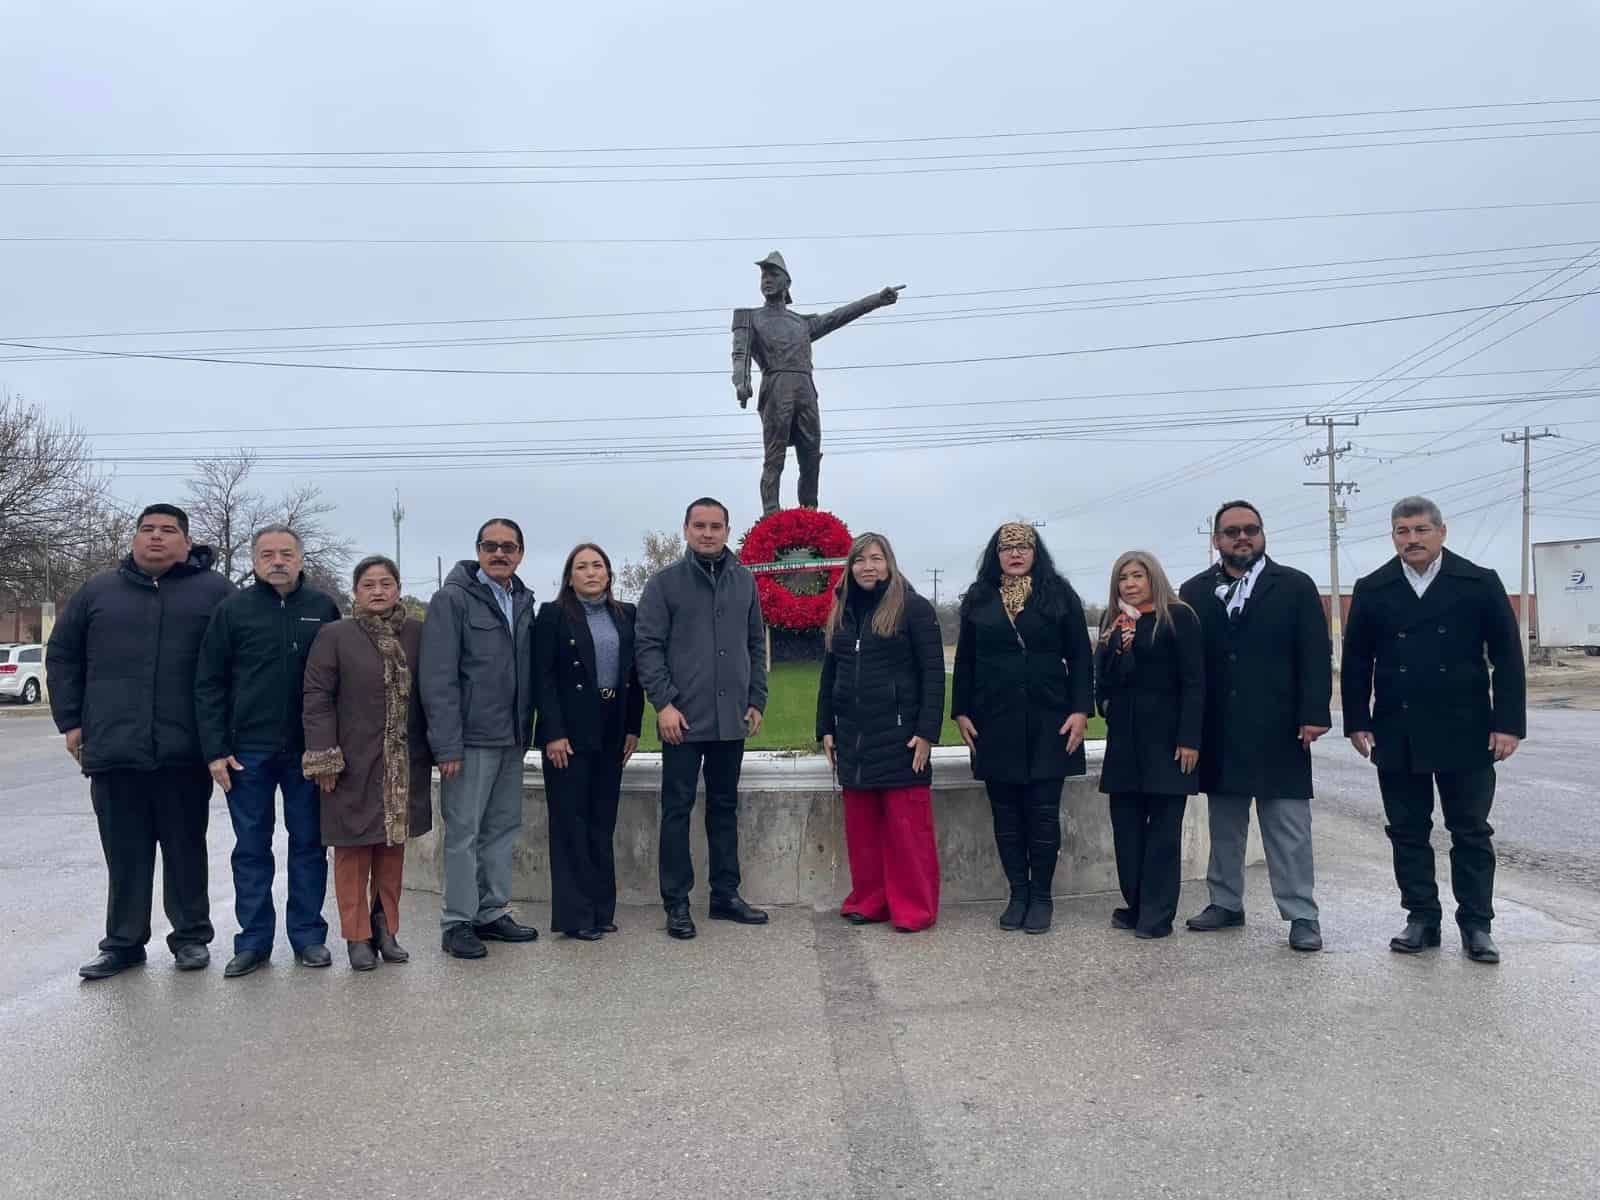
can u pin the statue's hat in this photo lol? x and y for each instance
(774, 260)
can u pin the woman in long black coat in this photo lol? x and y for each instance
(1150, 678)
(1022, 694)
(879, 708)
(590, 711)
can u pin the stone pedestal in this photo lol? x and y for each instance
(791, 834)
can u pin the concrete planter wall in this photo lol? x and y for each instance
(791, 834)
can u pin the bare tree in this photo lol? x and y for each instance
(51, 498)
(327, 555)
(661, 549)
(224, 510)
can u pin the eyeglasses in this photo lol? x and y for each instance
(1233, 531)
(500, 547)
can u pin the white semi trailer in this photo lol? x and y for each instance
(1566, 577)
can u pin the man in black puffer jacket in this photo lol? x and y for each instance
(880, 706)
(121, 665)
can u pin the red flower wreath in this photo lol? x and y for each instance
(795, 529)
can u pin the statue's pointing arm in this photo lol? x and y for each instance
(822, 324)
(741, 355)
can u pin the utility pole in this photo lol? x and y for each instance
(1527, 437)
(936, 572)
(1211, 547)
(399, 515)
(1332, 454)
(438, 572)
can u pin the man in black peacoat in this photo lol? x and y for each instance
(1269, 675)
(1425, 631)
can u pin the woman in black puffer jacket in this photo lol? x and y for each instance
(879, 709)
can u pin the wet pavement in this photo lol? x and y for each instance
(811, 1058)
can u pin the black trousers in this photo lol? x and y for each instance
(1027, 830)
(136, 812)
(680, 773)
(1147, 833)
(582, 800)
(1465, 798)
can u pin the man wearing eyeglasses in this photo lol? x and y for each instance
(1269, 677)
(476, 678)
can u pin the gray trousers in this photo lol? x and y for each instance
(1286, 837)
(482, 810)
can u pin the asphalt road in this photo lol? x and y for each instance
(813, 1059)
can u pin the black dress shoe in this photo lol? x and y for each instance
(111, 962)
(362, 957)
(505, 929)
(1040, 910)
(191, 956)
(1016, 910)
(863, 919)
(314, 955)
(1479, 946)
(1213, 917)
(243, 963)
(459, 941)
(1305, 934)
(383, 941)
(733, 908)
(608, 927)
(1415, 938)
(1149, 935)
(583, 935)
(1123, 918)
(679, 923)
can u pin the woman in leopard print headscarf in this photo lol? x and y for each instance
(1022, 694)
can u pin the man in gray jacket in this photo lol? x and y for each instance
(476, 681)
(701, 653)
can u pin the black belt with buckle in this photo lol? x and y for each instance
(608, 693)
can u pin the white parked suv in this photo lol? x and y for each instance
(21, 671)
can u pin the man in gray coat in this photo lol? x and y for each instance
(702, 658)
(476, 681)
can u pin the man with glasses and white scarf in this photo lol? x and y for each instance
(1268, 682)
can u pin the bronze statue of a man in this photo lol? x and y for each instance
(780, 342)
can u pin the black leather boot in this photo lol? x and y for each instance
(1017, 910)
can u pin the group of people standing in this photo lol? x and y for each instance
(165, 680)
(1222, 686)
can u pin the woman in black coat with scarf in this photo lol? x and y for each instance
(1150, 678)
(1022, 695)
(879, 708)
(590, 711)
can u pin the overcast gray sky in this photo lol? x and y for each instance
(244, 80)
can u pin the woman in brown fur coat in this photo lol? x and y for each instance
(367, 748)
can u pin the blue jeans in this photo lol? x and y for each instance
(251, 804)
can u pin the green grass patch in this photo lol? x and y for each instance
(791, 717)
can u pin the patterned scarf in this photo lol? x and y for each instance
(384, 630)
(1015, 589)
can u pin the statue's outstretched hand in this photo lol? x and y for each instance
(890, 294)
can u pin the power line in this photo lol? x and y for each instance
(16, 162)
(771, 238)
(785, 175)
(918, 297)
(854, 141)
(932, 316)
(932, 362)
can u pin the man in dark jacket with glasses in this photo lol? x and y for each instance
(476, 681)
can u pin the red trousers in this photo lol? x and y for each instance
(356, 869)
(894, 863)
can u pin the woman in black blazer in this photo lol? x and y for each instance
(1021, 696)
(1150, 678)
(590, 710)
